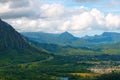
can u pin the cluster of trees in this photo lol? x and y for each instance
(50, 70)
(111, 76)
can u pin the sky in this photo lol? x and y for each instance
(79, 17)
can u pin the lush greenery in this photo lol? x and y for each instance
(15, 49)
(110, 49)
(23, 60)
(111, 76)
(68, 39)
(53, 68)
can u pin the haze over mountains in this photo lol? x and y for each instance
(39, 39)
(68, 39)
(14, 48)
(67, 44)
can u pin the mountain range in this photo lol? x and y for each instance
(35, 46)
(67, 44)
(64, 38)
(106, 37)
(68, 39)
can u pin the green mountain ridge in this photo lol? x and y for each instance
(14, 48)
(22, 59)
(61, 39)
(66, 44)
(67, 50)
(10, 38)
(68, 39)
(106, 37)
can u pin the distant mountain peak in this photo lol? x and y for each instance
(66, 34)
(67, 37)
(110, 33)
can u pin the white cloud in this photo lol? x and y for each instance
(113, 21)
(57, 18)
(86, 0)
(99, 16)
(52, 11)
(113, 3)
(4, 8)
(82, 21)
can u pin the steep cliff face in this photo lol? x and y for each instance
(10, 38)
(15, 49)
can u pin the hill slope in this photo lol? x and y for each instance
(61, 39)
(106, 37)
(15, 49)
(68, 39)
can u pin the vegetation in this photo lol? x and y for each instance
(15, 49)
(20, 60)
(51, 69)
(111, 76)
(68, 39)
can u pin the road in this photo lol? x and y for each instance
(42, 61)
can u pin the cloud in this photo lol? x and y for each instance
(18, 13)
(19, 8)
(94, 20)
(81, 22)
(113, 3)
(55, 18)
(113, 25)
(85, 0)
(19, 3)
(4, 1)
(84, 21)
(15, 3)
(55, 10)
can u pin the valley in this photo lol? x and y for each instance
(36, 56)
(59, 39)
(53, 68)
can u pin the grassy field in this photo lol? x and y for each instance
(85, 74)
